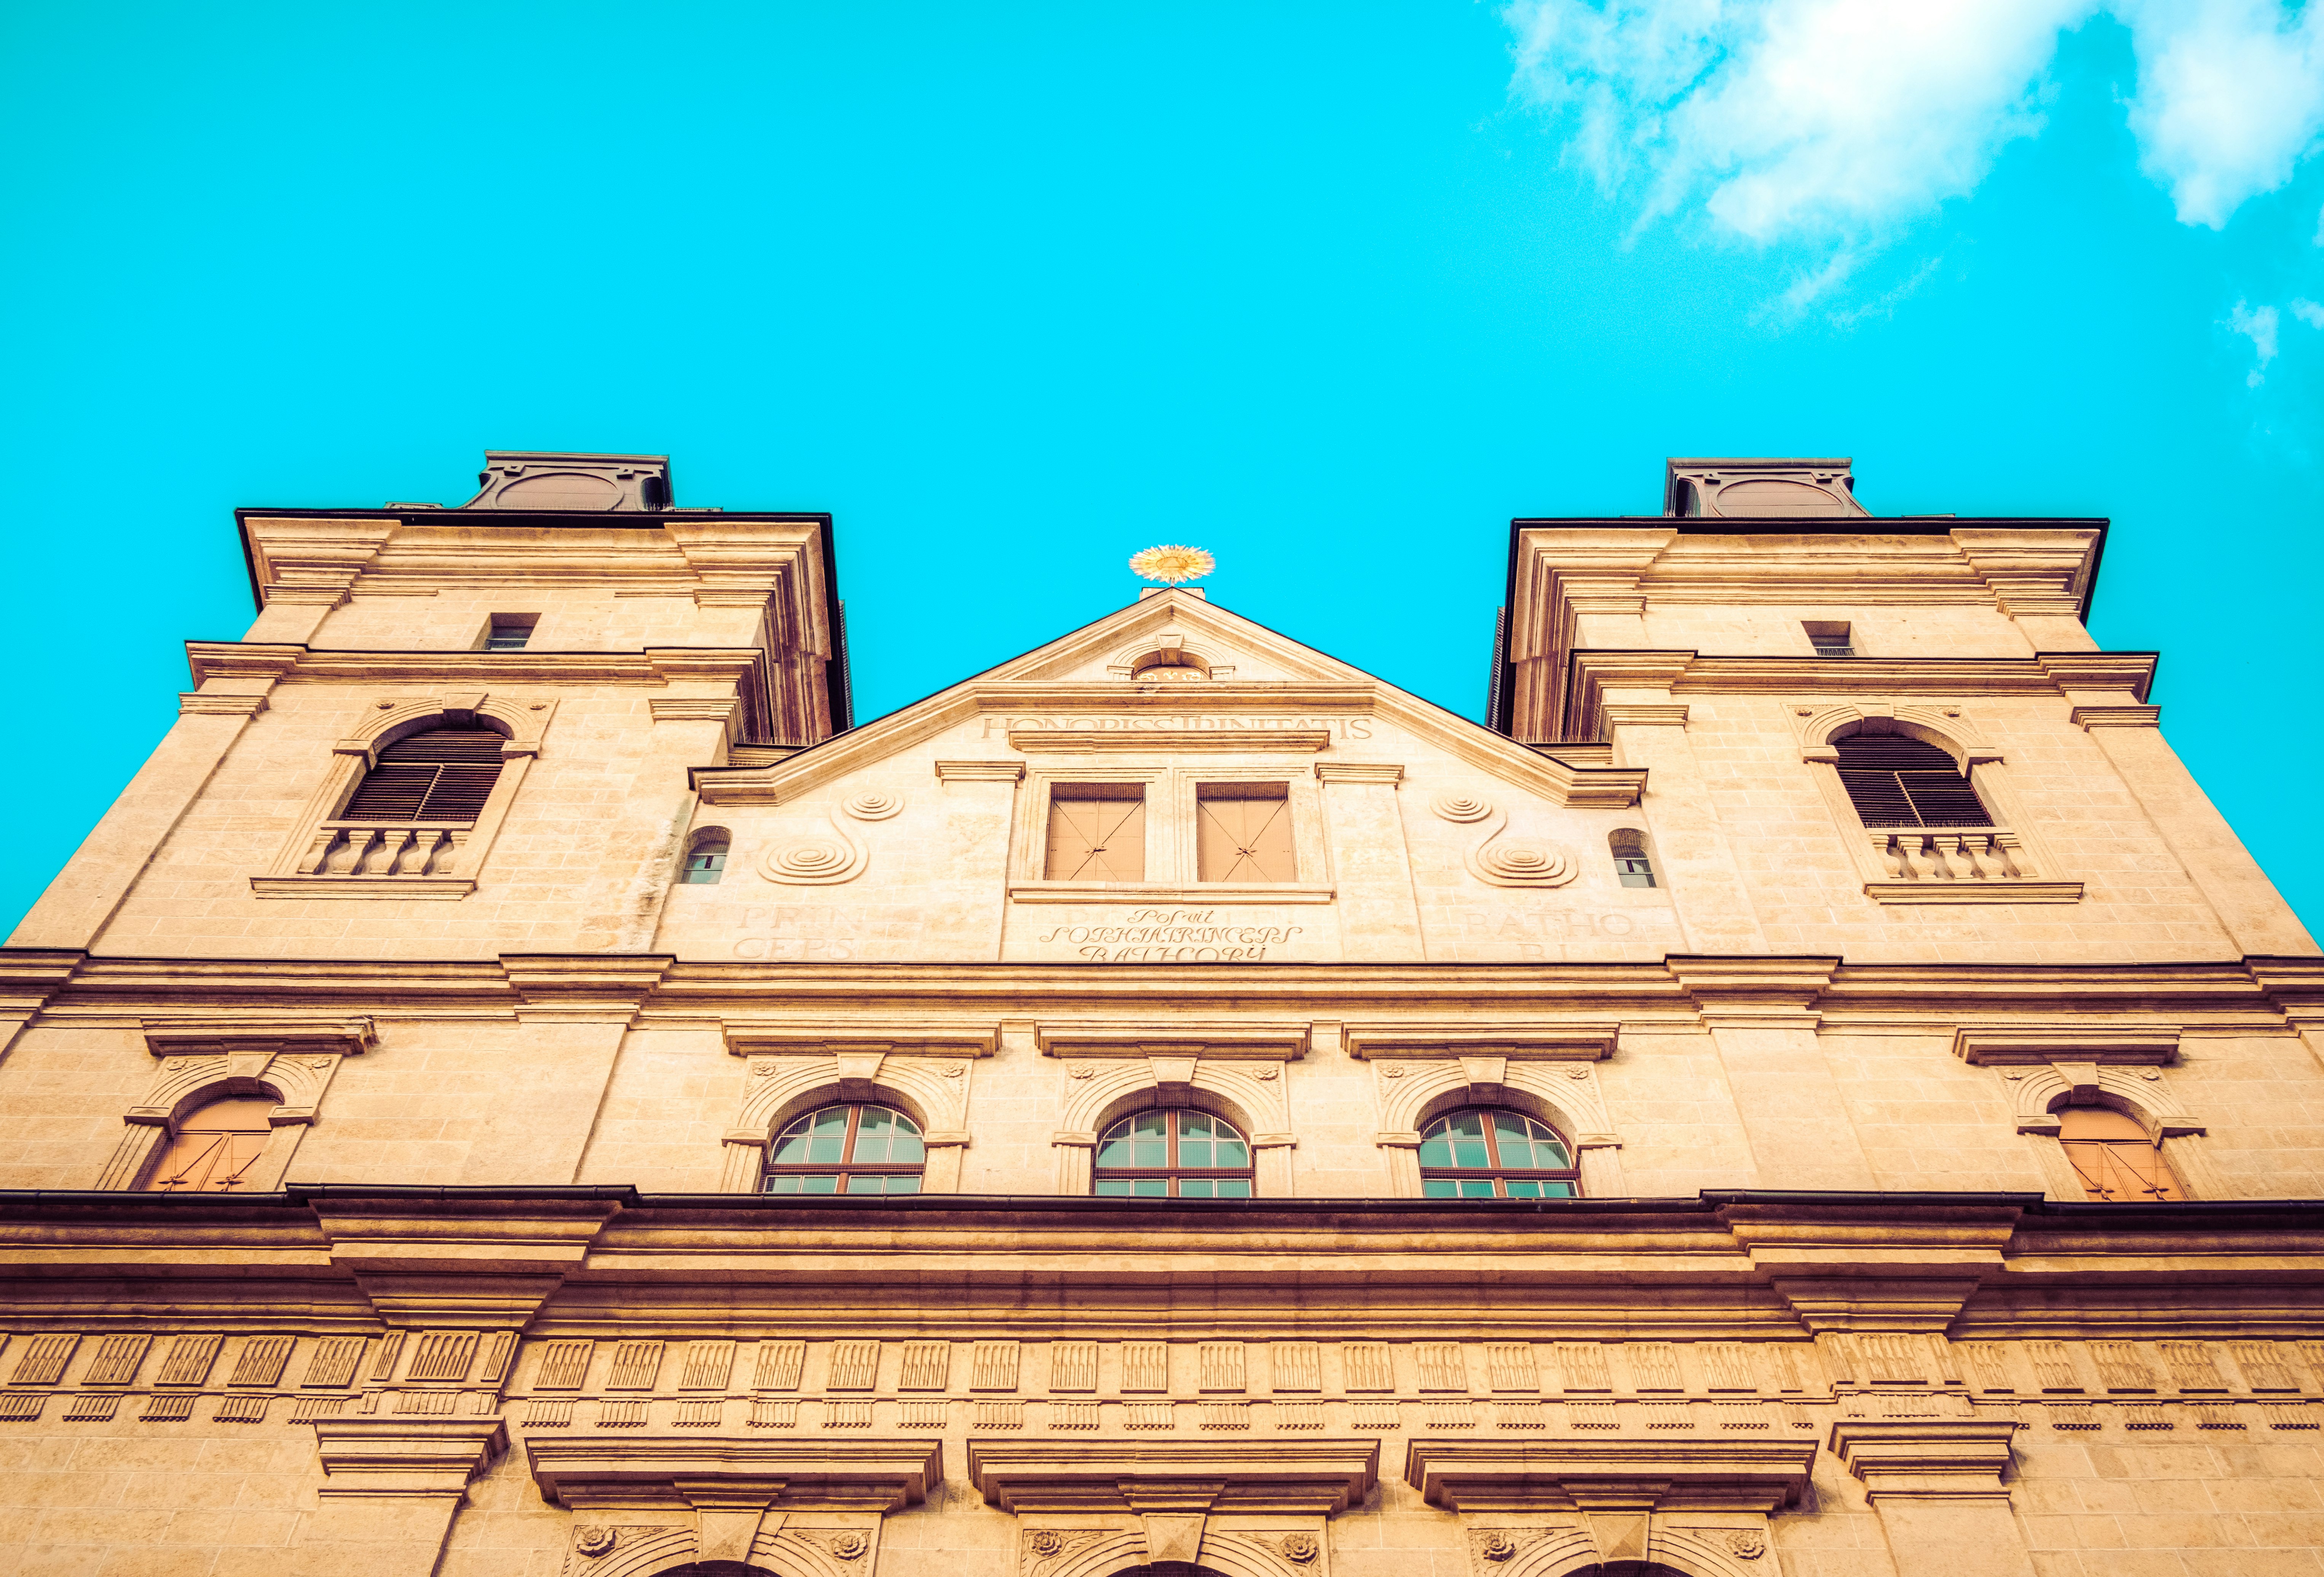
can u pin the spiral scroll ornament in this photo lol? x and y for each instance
(811, 858)
(1518, 862)
(1460, 807)
(872, 807)
(817, 859)
(1522, 865)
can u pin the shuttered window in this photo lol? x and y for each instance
(1898, 782)
(1097, 833)
(1243, 832)
(440, 775)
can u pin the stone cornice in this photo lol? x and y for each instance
(578, 1261)
(1312, 1476)
(819, 1474)
(1563, 1475)
(1591, 674)
(1494, 1002)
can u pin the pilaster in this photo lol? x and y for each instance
(1936, 1485)
(1762, 1017)
(1379, 916)
(391, 1487)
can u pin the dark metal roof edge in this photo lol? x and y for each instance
(624, 517)
(2144, 1217)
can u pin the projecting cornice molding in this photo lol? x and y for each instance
(1597, 678)
(875, 1476)
(1546, 1475)
(1316, 1478)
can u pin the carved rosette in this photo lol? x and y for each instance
(1300, 1548)
(1043, 1549)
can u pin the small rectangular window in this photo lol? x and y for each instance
(1097, 833)
(1830, 637)
(1243, 832)
(510, 631)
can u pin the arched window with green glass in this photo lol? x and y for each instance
(1489, 1153)
(1177, 1153)
(847, 1150)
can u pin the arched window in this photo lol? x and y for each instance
(1630, 860)
(213, 1149)
(2113, 1157)
(1486, 1154)
(1895, 780)
(847, 1150)
(1177, 1154)
(441, 774)
(705, 859)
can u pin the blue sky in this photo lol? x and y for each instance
(1331, 289)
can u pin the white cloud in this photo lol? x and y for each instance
(2230, 96)
(2258, 326)
(2307, 312)
(1833, 120)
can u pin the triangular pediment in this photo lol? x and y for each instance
(1171, 663)
(1173, 633)
(1171, 783)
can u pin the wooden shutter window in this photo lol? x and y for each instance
(1097, 833)
(1243, 832)
(438, 775)
(2113, 1158)
(1898, 781)
(212, 1149)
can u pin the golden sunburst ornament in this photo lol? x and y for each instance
(1173, 564)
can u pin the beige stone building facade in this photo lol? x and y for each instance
(521, 1083)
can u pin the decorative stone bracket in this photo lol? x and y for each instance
(1090, 1508)
(1701, 1506)
(806, 1506)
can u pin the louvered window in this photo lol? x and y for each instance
(439, 775)
(1899, 781)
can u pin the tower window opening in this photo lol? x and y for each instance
(437, 775)
(705, 862)
(1830, 637)
(1898, 781)
(1632, 864)
(510, 631)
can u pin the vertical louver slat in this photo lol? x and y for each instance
(1896, 781)
(441, 774)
